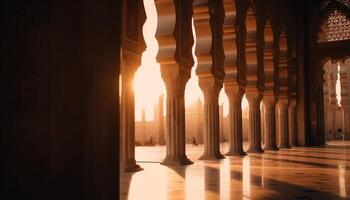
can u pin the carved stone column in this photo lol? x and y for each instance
(262, 123)
(292, 122)
(174, 36)
(270, 122)
(199, 107)
(254, 128)
(283, 91)
(235, 94)
(211, 88)
(175, 82)
(283, 123)
(208, 17)
(133, 45)
(127, 114)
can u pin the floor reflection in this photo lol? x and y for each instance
(246, 178)
(273, 175)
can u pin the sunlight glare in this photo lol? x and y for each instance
(338, 86)
(148, 84)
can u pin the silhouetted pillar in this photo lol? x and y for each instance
(254, 128)
(270, 122)
(143, 121)
(175, 39)
(208, 18)
(211, 137)
(333, 114)
(161, 121)
(283, 123)
(127, 114)
(262, 123)
(175, 116)
(235, 135)
(222, 121)
(292, 123)
(199, 121)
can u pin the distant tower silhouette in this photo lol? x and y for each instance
(199, 121)
(143, 116)
(161, 121)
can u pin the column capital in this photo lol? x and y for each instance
(254, 98)
(292, 103)
(234, 91)
(283, 104)
(129, 61)
(175, 78)
(211, 87)
(269, 100)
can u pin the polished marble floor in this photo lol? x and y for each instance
(298, 173)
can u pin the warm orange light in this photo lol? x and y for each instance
(148, 84)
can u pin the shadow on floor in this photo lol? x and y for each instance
(313, 164)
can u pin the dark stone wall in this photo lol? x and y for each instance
(59, 122)
(315, 54)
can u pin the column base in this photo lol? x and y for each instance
(130, 166)
(236, 153)
(216, 156)
(284, 146)
(176, 161)
(271, 148)
(255, 150)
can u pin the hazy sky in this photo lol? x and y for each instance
(148, 84)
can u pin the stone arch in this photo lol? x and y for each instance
(330, 107)
(269, 67)
(329, 80)
(204, 37)
(230, 42)
(251, 57)
(165, 29)
(282, 65)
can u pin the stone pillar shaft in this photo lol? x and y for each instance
(127, 117)
(292, 123)
(254, 124)
(235, 135)
(270, 122)
(211, 138)
(175, 39)
(199, 118)
(283, 123)
(175, 117)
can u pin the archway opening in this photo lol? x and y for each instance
(335, 100)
